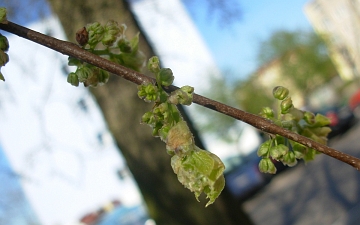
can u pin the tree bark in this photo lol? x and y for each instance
(167, 200)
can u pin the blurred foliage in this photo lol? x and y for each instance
(251, 96)
(302, 60)
(214, 122)
(302, 55)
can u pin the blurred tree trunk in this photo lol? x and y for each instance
(167, 200)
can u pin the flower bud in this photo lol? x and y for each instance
(148, 92)
(280, 92)
(309, 154)
(183, 96)
(3, 15)
(163, 132)
(154, 64)
(309, 118)
(286, 105)
(299, 150)
(264, 148)
(321, 120)
(267, 166)
(83, 73)
(73, 79)
(278, 151)
(103, 76)
(112, 32)
(4, 43)
(82, 36)
(124, 45)
(146, 118)
(96, 33)
(165, 77)
(4, 58)
(267, 113)
(289, 159)
(74, 61)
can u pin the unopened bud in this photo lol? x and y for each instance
(4, 43)
(73, 79)
(280, 92)
(154, 64)
(3, 15)
(285, 105)
(267, 113)
(82, 36)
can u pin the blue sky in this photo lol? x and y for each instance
(235, 49)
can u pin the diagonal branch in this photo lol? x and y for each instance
(265, 125)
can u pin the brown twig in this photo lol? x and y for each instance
(73, 50)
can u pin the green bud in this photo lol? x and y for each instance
(154, 64)
(280, 92)
(103, 76)
(148, 92)
(74, 61)
(299, 150)
(309, 154)
(309, 118)
(3, 15)
(267, 113)
(4, 58)
(96, 33)
(183, 96)
(83, 73)
(264, 148)
(267, 166)
(321, 131)
(147, 117)
(289, 159)
(4, 43)
(286, 105)
(163, 132)
(111, 33)
(73, 79)
(321, 120)
(276, 152)
(165, 77)
(124, 45)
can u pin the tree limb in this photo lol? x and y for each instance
(265, 125)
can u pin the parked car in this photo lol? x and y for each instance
(242, 175)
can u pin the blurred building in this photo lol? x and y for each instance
(338, 22)
(270, 75)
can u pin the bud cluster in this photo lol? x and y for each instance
(305, 123)
(108, 41)
(197, 169)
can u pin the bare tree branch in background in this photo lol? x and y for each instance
(225, 13)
